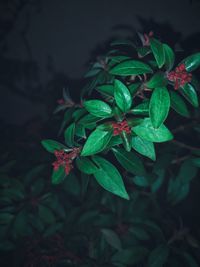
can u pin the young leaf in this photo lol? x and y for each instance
(159, 106)
(96, 142)
(109, 177)
(192, 62)
(178, 104)
(130, 67)
(158, 51)
(129, 161)
(51, 145)
(86, 166)
(144, 147)
(122, 96)
(169, 57)
(190, 94)
(146, 131)
(98, 108)
(58, 176)
(69, 135)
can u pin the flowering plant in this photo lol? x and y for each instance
(122, 111)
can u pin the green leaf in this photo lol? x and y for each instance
(107, 89)
(157, 80)
(69, 135)
(178, 104)
(141, 181)
(58, 176)
(129, 161)
(169, 57)
(112, 238)
(158, 51)
(158, 256)
(130, 67)
(190, 94)
(159, 106)
(46, 214)
(86, 166)
(51, 145)
(126, 140)
(130, 256)
(134, 87)
(89, 119)
(98, 108)
(146, 131)
(139, 233)
(96, 142)
(196, 162)
(144, 147)
(192, 62)
(141, 109)
(122, 96)
(109, 177)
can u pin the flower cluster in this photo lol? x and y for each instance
(65, 159)
(118, 127)
(180, 76)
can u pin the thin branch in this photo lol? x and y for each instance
(178, 143)
(183, 127)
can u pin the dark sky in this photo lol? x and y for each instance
(46, 43)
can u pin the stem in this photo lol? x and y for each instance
(178, 143)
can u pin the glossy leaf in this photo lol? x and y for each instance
(58, 176)
(69, 135)
(98, 108)
(122, 96)
(157, 80)
(129, 161)
(130, 67)
(51, 145)
(85, 165)
(126, 140)
(109, 177)
(144, 147)
(159, 106)
(107, 89)
(178, 104)
(169, 57)
(141, 109)
(96, 142)
(146, 131)
(190, 94)
(158, 51)
(192, 62)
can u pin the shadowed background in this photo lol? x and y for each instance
(45, 45)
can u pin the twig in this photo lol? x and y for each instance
(178, 143)
(178, 160)
(183, 127)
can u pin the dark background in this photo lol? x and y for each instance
(45, 45)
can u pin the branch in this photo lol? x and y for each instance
(178, 143)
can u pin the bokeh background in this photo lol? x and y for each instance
(46, 45)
